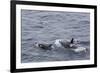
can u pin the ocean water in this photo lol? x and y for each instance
(47, 26)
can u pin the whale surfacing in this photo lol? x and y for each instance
(62, 43)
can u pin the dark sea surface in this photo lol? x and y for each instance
(47, 26)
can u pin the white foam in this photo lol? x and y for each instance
(79, 49)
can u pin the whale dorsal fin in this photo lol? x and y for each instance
(72, 40)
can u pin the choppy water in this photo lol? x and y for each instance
(47, 26)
